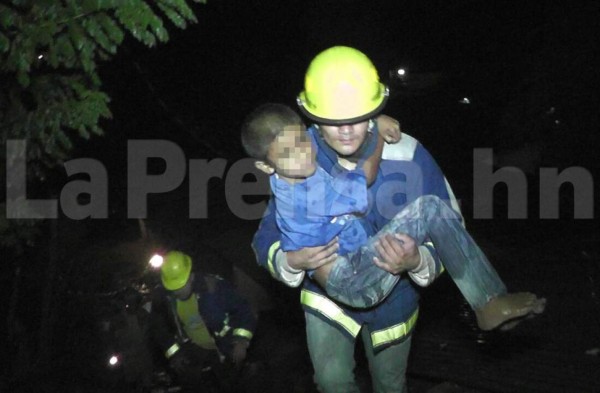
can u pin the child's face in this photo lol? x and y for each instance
(291, 153)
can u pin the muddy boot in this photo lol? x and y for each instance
(506, 311)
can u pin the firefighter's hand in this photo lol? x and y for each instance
(179, 361)
(239, 351)
(399, 253)
(309, 258)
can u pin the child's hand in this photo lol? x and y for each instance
(389, 129)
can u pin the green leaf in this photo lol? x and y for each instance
(23, 78)
(86, 56)
(66, 52)
(96, 130)
(83, 132)
(64, 140)
(111, 28)
(77, 34)
(43, 34)
(7, 17)
(95, 31)
(149, 39)
(4, 43)
(186, 11)
(52, 56)
(173, 16)
(157, 28)
(89, 6)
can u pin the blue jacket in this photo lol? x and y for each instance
(407, 171)
(226, 314)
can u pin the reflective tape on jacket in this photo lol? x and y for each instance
(172, 350)
(328, 308)
(243, 333)
(395, 333)
(270, 260)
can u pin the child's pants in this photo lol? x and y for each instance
(356, 281)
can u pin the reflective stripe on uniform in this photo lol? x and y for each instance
(172, 350)
(243, 333)
(331, 310)
(394, 333)
(270, 259)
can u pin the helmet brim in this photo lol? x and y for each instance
(328, 121)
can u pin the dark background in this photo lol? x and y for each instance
(529, 70)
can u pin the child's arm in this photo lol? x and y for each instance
(388, 131)
(371, 165)
(389, 128)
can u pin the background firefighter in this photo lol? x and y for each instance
(202, 325)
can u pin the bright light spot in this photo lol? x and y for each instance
(465, 100)
(113, 360)
(156, 261)
(401, 72)
(40, 57)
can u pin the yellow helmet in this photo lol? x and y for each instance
(175, 270)
(341, 86)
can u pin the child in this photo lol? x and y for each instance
(313, 207)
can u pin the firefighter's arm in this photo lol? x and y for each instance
(239, 351)
(241, 317)
(419, 261)
(267, 248)
(160, 330)
(427, 270)
(287, 267)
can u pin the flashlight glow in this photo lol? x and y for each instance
(156, 261)
(113, 360)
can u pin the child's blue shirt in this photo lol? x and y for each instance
(314, 211)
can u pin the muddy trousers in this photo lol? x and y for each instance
(332, 356)
(356, 281)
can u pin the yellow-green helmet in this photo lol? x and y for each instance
(341, 86)
(175, 270)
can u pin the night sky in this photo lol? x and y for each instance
(241, 54)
